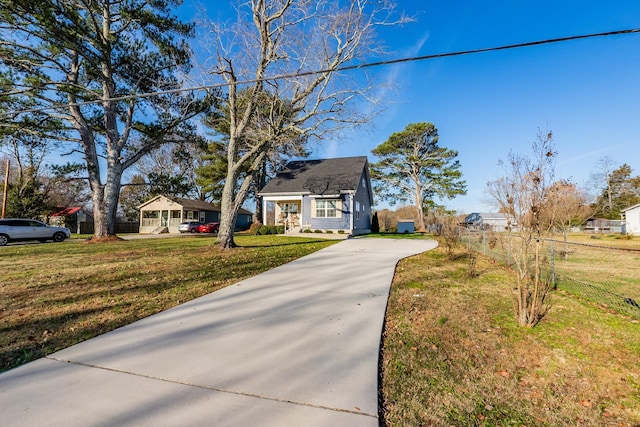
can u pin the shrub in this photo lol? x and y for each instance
(255, 228)
(375, 223)
(307, 230)
(279, 229)
(340, 231)
(329, 231)
(317, 231)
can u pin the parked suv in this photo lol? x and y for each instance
(189, 227)
(15, 229)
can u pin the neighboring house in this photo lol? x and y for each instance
(326, 194)
(631, 218)
(603, 225)
(73, 218)
(163, 212)
(494, 221)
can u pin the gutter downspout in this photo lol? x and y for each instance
(351, 197)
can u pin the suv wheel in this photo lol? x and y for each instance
(59, 236)
(3, 240)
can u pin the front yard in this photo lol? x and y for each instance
(454, 355)
(452, 352)
(55, 295)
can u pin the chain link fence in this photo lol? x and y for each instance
(607, 276)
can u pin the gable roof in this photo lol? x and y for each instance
(62, 211)
(631, 208)
(199, 205)
(322, 177)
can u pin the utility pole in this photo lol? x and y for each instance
(6, 185)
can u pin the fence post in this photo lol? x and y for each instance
(553, 266)
(484, 242)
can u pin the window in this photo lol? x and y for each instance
(326, 208)
(357, 210)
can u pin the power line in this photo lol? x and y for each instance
(344, 68)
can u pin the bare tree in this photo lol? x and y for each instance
(307, 41)
(523, 196)
(601, 181)
(567, 206)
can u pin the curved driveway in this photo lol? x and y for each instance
(295, 346)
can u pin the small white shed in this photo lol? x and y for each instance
(406, 226)
(631, 218)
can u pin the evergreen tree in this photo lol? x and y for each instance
(84, 63)
(414, 168)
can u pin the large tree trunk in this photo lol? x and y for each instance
(228, 217)
(105, 203)
(419, 204)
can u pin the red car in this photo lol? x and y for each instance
(210, 227)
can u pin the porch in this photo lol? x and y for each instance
(285, 211)
(170, 218)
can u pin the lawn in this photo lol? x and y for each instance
(453, 354)
(57, 294)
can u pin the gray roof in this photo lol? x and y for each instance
(324, 176)
(492, 215)
(199, 205)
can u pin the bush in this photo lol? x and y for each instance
(279, 229)
(375, 223)
(307, 230)
(317, 231)
(269, 229)
(340, 231)
(329, 231)
(255, 228)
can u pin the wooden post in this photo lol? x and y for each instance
(6, 185)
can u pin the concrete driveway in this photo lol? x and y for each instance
(295, 346)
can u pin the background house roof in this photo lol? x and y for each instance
(66, 211)
(324, 176)
(196, 205)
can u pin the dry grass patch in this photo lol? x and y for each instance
(454, 356)
(55, 295)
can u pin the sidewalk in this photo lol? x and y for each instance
(295, 346)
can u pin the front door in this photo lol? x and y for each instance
(289, 214)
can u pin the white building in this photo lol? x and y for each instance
(631, 218)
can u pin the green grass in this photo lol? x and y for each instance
(453, 354)
(55, 295)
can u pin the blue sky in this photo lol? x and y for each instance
(486, 105)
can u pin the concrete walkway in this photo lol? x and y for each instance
(295, 346)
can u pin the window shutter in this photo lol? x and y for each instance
(313, 207)
(338, 208)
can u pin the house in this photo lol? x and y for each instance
(74, 218)
(164, 212)
(631, 218)
(327, 194)
(494, 221)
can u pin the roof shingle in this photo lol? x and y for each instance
(323, 176)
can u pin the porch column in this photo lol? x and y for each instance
(264, 211)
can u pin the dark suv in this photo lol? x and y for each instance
(15, 229)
